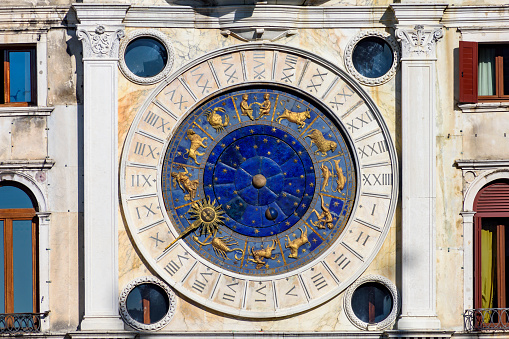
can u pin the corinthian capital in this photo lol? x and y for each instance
(100, 43)
(419, 42)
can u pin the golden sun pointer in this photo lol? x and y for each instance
(207, 217)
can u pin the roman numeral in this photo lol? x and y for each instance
(231, 76)
(376, 148)
(364, 119)
(140, 149)
(152, 119)
(365, 239)
(136, 182)
(290, 292)
(319, 281)
(382, 179)
(341, 97)
(319, 81)
(156, 238)
(230, 297)
(148, 208)
(342, 261)
(172, 267)
(261, 293)
(259, 74)
(290, 62)
(205, 86)
(199, 285)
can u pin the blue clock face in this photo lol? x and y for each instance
(259, 181)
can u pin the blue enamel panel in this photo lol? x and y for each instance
(264, 173)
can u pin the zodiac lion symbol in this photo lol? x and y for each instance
(196, 142)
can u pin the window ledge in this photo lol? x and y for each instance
(475, 164)
(42, 164)
(484, 107)
(6, 111)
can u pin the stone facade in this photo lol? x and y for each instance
(71, 150)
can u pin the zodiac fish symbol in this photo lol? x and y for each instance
(321, 143)
(340, 178)
(221, 246)
(294, 245)
(215, 120)
(196, 142)
(263, 253)
(325, 218)
(329, 173)
(295, 117)
(185, 183)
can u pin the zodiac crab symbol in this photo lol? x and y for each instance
(215, 120)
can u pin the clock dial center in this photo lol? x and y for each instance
(259, 181)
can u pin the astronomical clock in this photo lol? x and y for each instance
(259, 181)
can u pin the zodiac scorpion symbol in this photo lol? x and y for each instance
(221, 246)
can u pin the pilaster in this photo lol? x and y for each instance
(418, 32)
(100, 30)
(44, 276)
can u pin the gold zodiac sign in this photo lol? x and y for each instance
(222, 246)
(215, 120)
(295, 117)
(340, 178)
(294, 245)
(246, 108)
(325, 218)
(207, 217)
(263, 253)
(264, 106)
(196, 142)
(185, 183)
(326, 174)
(321, 143)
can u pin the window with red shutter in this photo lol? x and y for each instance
(468, 71)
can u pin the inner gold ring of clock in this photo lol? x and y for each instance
(207, 214)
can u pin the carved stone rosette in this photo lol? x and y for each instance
(349, 61)
(100, 43)
(172, 298)
(395, 303)
(419, 42)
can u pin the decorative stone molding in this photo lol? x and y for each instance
(257, 34)
(100, 44)
(349, 61)
(144, 327)
(395, 303)
(419, 42)
(149, 33)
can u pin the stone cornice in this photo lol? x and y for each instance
(94, 14)
(467, 16)
(474, 164)
(17, 165)
(261, 16)
(33, 18)
(418, 14)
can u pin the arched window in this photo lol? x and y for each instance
(18, 250)
(491, 241)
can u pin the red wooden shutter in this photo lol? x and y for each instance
(468, 71)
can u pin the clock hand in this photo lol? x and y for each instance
(193, 227)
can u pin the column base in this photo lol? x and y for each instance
(418, 323)
(102, 323)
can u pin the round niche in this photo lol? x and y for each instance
(372, 303)
(146, 56)
(147, 304)
(372, 57)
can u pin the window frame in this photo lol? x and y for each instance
(5, 50)
(8, 216)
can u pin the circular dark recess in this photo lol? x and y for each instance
(372, 57)
(372, 302)
(147, 303)
(146, 57)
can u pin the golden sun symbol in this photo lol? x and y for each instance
(207, 217)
